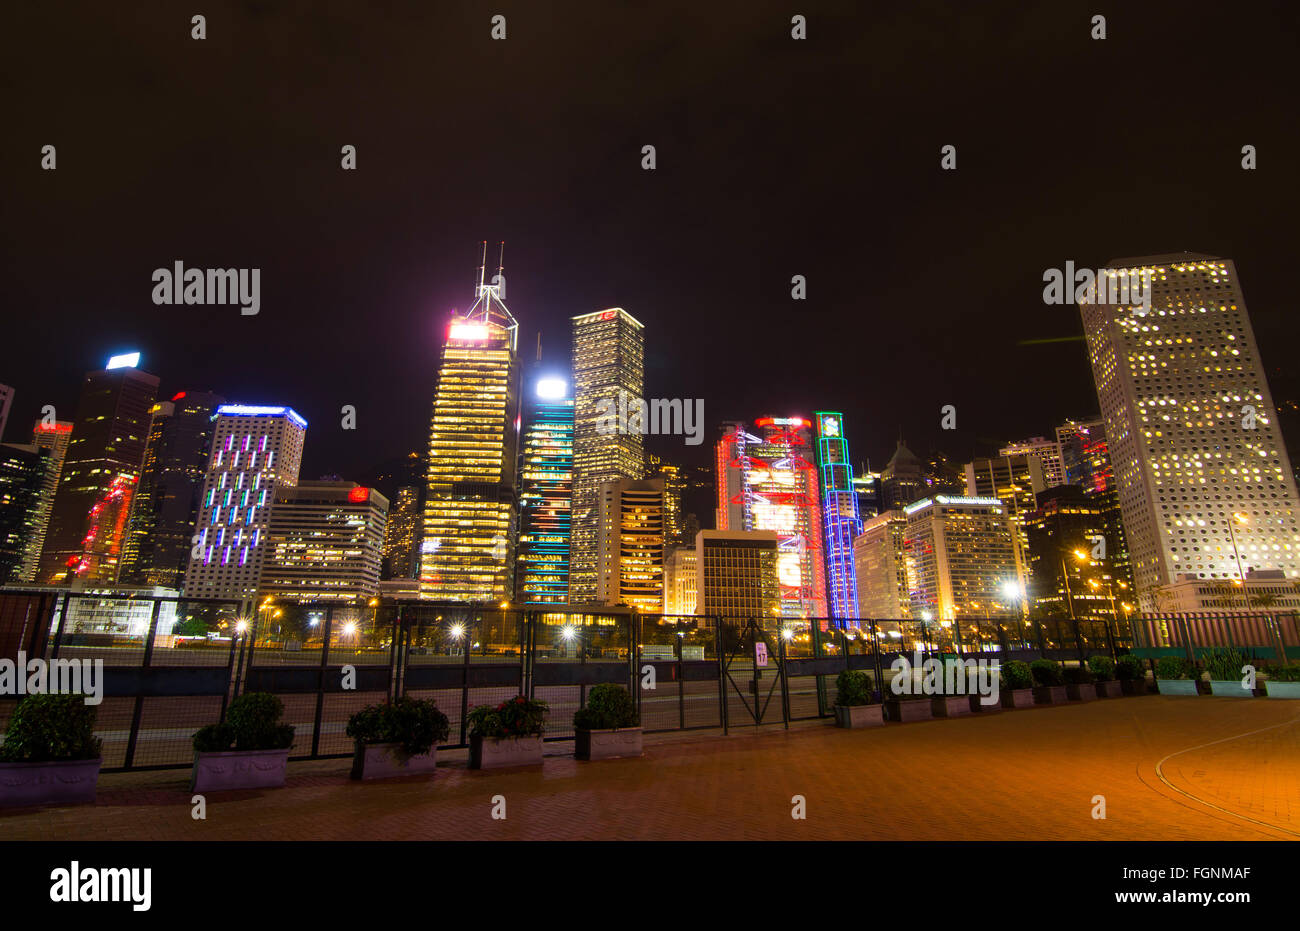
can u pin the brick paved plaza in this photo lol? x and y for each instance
(1170, 769)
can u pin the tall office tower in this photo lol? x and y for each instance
(467, 554)
(22, 477)
(324, 543)
(630, 544)
(1085, 456)
(903, 480)
(608, 371)
(675, 479)
(880, 560)
(402, 535)
(1048, 453)
(256, 451)
(161, 528)
(839, 513)
(53, 437)
(1204, 480)
(680, 579)
(1015, 481)
(866, 484)
(1077, 562)
(769, 482)
(962, 558)
(6, 401)
(546, 496)
(100, 472)
(737, 574)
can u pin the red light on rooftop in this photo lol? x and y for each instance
(359, 494)
(179, 395)
(54, 427)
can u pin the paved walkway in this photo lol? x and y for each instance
(1170, 769)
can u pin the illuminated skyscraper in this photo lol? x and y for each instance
(1048, 453)
(903, 480)
(1205, 483)
(467, 554)
(1015, 481)
(630, 544)
(324, 543)
(962, 559)
(608, 372)
(546, 496)
(839, 513)
(769, 482)
(402, 534)
(161, 528)
(255, 452)
(22, 475)
(53, 436)
(880, 561)
(1085, 456)
(100, 472)
(737, 573)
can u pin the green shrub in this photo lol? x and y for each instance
(853, 687)
(518, 717)
(1103, 667)
(1130, 667)
(1078, 675)
(51, 728)
(1172, 667)
(608, 706)
(1017, 675)
(252, 723)
(1046, 672)
(416, 724)
(1279, 673)
(1224, 664)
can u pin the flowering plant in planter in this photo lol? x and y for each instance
(518, 717)
(415, 725)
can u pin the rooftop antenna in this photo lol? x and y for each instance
(482, 265)
(501, 262)
(539, 346)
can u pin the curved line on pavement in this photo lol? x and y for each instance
(1161, 774)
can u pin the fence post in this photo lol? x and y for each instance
(320, 680)
(63, 621)
(785, 684)
(722, 674)
(395, 656)
(875, 646)
(138, 710)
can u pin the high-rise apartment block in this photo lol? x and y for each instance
(402, 534)
(962, 558)
(608, 374)
(1204, 480)
(1046, 451)
(630, 544)
(256, 451)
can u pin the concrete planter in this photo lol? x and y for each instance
(384, 761)
(1276, 689)
(859, 716)
(1051, 694)
(978, 707)
(1229, 688)
(502, 752)
(950, 706)
(1017, 698)
(1110, 689)
(239, 769)
(607, 744)
(1176, 687)
(1133, 686)
(912, 709)
(1081, 691)
(61, 782)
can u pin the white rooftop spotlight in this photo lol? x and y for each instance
(127, 360)
(552, 389)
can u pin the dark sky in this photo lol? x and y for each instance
(775, 158)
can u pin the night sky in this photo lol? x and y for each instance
(775, 157)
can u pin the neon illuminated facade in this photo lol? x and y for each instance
(546, 497)
(467, 554)
(839, 513)
(255, 452)
(769, 482)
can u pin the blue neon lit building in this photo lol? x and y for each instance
(545, 496)
(839, 513)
